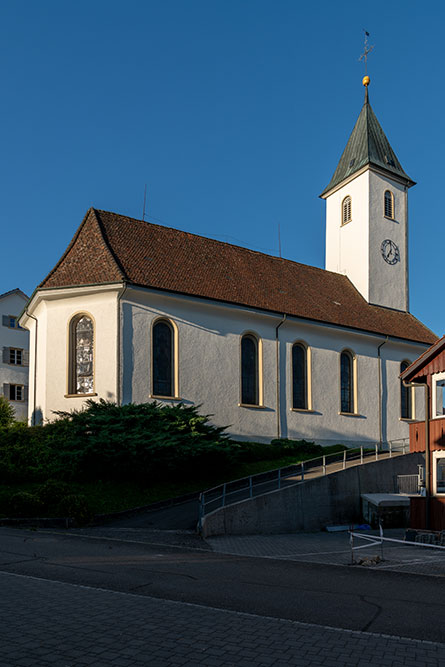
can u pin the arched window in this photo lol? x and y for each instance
(249, 370)
(82, 355)
(163, 362)
(347, 382)
(346, 210)
(406, 410)
(299, 377)
(389, 204)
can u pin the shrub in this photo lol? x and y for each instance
(24, 505)
(75, 507)
(52, 492)
(7, 413)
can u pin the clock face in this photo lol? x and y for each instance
(390, 252)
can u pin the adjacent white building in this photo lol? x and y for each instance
(14, 342)
(271, 348)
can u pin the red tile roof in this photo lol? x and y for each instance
(109, 247)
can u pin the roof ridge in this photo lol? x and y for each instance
(224, 243)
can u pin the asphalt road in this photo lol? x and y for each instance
(380, 602)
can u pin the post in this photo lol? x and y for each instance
(224, 495)
(324, 465)
(279, 478)
(302, 471)
(344, 459)
(390, 448)
(201, 512)
(376, 451)
(361, 455)
(250, 487)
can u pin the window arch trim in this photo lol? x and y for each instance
(259, 369)
(175, 358)
(308, 369)
(353, 384)
(346, 210)
(70, 352)
(388, 205)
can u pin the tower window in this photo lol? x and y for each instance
(346, 210)
(389, 204)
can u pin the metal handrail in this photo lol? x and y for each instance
(279, 476)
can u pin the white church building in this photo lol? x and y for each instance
(135, 312)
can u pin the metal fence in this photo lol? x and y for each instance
(256, 485)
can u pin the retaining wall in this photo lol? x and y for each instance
(311, 505)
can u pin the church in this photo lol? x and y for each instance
(270, 348)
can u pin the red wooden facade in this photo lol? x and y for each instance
(421, 371)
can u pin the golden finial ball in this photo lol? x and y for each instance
(366, 80)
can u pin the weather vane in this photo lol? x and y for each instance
(366, 51)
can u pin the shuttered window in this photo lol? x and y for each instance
(346, 210)
(389, 204)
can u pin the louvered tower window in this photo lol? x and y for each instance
(389, 204)
(346, 210)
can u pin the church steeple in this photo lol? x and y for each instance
(367, 215)
(367, 145)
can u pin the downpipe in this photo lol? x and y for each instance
(277, 347)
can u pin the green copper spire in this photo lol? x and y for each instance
(367, 145)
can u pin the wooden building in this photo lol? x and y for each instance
(429, 436)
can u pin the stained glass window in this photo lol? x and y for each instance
(83, 356)
(249, 370)
(346, 383)
(405, 395)
(163, 364)
(299, 377)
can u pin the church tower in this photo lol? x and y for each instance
(367, 215)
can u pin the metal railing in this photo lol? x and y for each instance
(232, 492)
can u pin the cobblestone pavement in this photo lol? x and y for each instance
(47, 623)
(334, 549)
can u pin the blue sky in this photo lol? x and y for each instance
(233, 112)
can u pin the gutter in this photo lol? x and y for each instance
(380, 390)
(277, 346)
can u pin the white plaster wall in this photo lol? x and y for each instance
(347, 245)
(388, 284)
(354, 249)
(209, 370)
(54, 312)
(13, 304)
